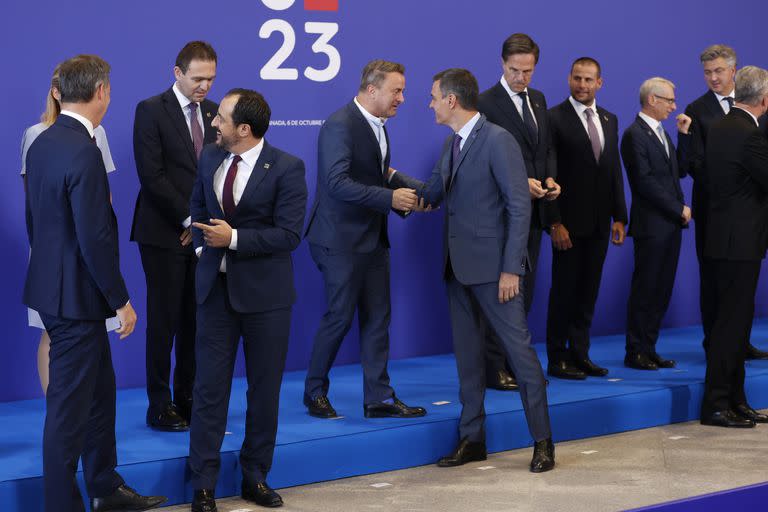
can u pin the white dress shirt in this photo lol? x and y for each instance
(580, 111)
(518, 101)
(244, 170)
(723, 102)
(466, 130)
(654, 124)
(85, 122)
(377, 125)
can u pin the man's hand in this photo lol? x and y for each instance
(561, 239)
(219, 234)
(421, 208)
(535, 189)
(127, 317)
(551, 195)
(686, 215)
(617, 233)
(683, 123)
(404, 199)
(186, 237)
(509, 286)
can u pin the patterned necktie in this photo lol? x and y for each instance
(197, 131)
(228, 195)
(663, 136)
(530, 124)
(594, 137)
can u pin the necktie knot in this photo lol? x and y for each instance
(523, 95)
(588, 112)
(193, 107)
(728, 100)
(236, 159)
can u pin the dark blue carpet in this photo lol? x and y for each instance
(312, 450)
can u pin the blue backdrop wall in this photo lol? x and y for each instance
(633, 41)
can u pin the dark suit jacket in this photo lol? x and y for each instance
(488, 207)
(353, 198)
(657, 199)
(592, 191)
(540, 160)
(737, 173)
(74, 269)
(167, 165)
(269, 219)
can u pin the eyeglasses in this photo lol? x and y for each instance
(670, 101)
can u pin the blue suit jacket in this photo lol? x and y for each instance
(488, 207)
(352, 199)
(269, 218)
(74, 269)
(657, 199)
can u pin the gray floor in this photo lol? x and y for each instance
(610, 473)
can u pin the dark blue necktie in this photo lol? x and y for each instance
(530, 124)
(456, 150)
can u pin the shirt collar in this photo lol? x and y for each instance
(653, 123)
(580, 107)
(183, 100)
(466, 130)
(251, 156)
(370, 117)
(85, 122)
(506, 87)
(750, 114)
(720, 97)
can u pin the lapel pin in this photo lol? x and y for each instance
(605, 118)
(266, 165)
(207, 114)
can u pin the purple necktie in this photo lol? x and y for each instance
(456, 151)
(197, 131)
(594, 137)
(228, 194)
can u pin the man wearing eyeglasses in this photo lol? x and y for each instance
(657, 216)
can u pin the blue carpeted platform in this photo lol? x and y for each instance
(311, 450)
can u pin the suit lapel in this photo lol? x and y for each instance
(209, 112)
(467, 147)
(176, 114)
(263, 166)
(575, 126)
(210, 193)
(507, 106)
(710, 100)
(654, 138)
(369, 131)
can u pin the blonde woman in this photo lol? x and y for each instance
(52, 110)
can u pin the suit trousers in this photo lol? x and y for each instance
(495, 354)
(265, 346)
(735, 284)
(471, 307)
(80, 414)
(353, 282)
(576, 274)
(706, 299)
(170, 278)
(653, 279)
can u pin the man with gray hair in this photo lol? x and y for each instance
(657, 215)
(736, 166)
(73, 234)
(719, 64)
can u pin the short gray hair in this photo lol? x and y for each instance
(751, 85)
(717, 51)
(80, 76)
(376, 71)
(652, 86)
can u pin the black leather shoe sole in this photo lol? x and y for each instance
(565, 374)
(376, 412)
(168, 428)
(447, 462)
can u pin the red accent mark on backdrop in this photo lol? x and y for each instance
(321, 5)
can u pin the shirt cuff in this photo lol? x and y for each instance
(233, 241)
(187, 222)
(198, 250)
(389, 180)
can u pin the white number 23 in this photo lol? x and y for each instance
(272, 70)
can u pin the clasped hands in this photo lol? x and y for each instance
(550, 191)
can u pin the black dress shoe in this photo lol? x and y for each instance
(466, 451)
(726, 418)
(639, 362)
(587, 366)
(203, 501)
(125, 498)
(745, 411)
(320, 407)
(543, 456)
(501, 380)
(395, 410)
(755, 353)
(167, 419)
(563, 370)
(184, 408)
(661, 362)
(262, 494)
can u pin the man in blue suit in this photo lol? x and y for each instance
(656, 218)
(347, 233)
(481, 177)
(247, 207)
(74, 282)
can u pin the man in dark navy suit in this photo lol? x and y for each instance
(169, 132)
(719, 63)
(522, 111)
(657, 216)
(248, 207)
(481, 179)
(592, 210)
(74, 282)
(347, 233)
